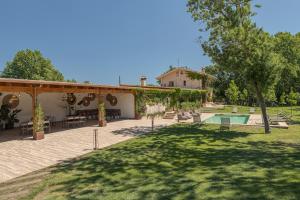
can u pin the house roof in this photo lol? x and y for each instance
(181, 68)
(153, 87)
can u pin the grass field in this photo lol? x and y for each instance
(183, 162)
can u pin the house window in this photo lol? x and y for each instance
(171, 83)
(184, 83)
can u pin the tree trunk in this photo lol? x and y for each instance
(262, 104)
(152, 123)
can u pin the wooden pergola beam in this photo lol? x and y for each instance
(15, 89)
(43, 89)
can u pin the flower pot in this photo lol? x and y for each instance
(38, 135)
(102, 123)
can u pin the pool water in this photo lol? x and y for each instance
(234, 119)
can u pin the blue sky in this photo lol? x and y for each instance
(98, 40)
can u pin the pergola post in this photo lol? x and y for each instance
(101, 110)
(34, 101)
(37, 135)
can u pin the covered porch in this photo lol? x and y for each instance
(65, 105)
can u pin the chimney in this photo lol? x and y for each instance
(143, 80)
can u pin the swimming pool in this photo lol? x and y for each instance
(234, 119)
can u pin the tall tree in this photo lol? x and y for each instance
(288, 46)
(236, 44)
(28, 64)
(232, 93)
(244, 96)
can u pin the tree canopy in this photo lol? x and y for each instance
(28, 64)
(236, 44)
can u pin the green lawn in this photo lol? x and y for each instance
(185, 162)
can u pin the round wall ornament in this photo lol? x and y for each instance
(11, 100)
(86, 101)
(71, 98)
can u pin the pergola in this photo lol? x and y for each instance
(36, 87)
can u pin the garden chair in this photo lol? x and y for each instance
(276, 119)
(225, 123)
(188, 115)
(47, 126)
(234, 109)
(197, 118)
(285, 115)
(252, 110)
(182, 117)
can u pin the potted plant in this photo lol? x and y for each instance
(38, 123)
(101, 114)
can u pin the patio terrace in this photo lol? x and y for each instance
(20, 155)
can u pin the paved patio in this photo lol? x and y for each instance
(22, 155)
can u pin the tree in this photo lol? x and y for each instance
(28, 64)
(232, 93)
(244, 96)
(71, 80)
(154, 115)
(270, 96)
(236, 44)
(288, 46)
(292, 99)
(282, 99)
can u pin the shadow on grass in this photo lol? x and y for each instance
(136, 131)
(185, 163)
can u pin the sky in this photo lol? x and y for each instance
(100, 40)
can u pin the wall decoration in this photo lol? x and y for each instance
(12, 101)
(80, 102)
(112, 99)
(86, 101)
(71, 98)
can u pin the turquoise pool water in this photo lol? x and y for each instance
(234, 119)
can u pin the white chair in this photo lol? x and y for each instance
(188, 115)
(252, 110)
(197, 118)
(234, 109)
(225, 123)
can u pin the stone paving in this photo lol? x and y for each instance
(255, 120)
(22, 155)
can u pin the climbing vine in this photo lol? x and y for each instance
(172, 98)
